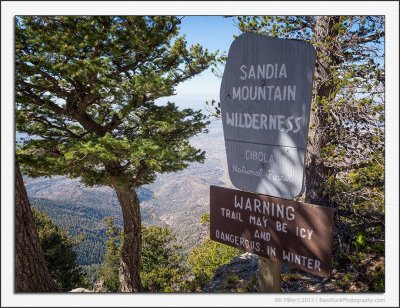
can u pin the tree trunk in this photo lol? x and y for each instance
(31, 272)
(132, 244)
(316, 172)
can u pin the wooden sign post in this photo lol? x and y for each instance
(269, 276)
(265, 108)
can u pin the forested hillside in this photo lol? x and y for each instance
(79, 210)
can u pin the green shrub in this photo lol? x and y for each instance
(206, 258)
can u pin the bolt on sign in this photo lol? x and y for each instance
(265, 99)
(299, 234)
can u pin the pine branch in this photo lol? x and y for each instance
(357, 40)
(39, 102)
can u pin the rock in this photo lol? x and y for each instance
(238, 276)
(99, 286)
(80, 290)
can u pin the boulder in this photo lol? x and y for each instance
(80, 290)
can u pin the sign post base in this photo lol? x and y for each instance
(269, 275)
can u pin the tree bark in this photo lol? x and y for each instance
(317, 173)
(31, 272)
(129, 271)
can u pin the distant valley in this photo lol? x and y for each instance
(176, 200)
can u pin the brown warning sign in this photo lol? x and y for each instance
(299, 234)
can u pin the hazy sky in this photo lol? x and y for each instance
(213, 33)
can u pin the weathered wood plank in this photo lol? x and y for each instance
(265, 100)
(299, 234)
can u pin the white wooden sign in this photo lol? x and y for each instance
(265, 107)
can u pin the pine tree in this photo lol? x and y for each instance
(58, 248)
(86, 86)
(347, 118)
(109, 270)
(345, 153)
(161, 268)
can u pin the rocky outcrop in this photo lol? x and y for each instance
(241, 275)
(238, 276)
